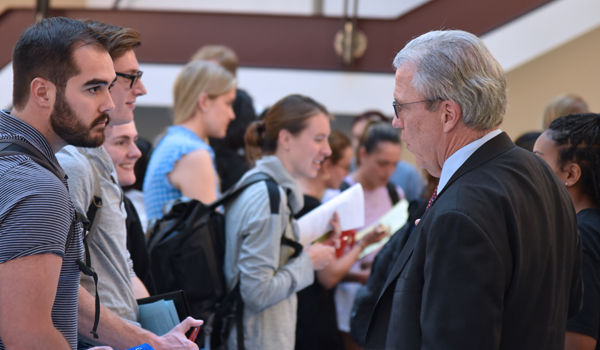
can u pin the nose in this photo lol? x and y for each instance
(134, 152)
(327, 150)
(397, 123)
(139, 89)
(108, 104)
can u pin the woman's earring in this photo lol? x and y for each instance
(566, 184)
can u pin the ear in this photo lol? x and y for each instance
(362, 152)
(42, 92)
(451, 115)
(203, 101)
(573, 171)
(284, 139)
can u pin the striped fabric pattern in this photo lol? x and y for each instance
(35, 217)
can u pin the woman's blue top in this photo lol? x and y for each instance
(158, 190)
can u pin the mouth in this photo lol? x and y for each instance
(317, 163)
(131, 104)
(127, 166)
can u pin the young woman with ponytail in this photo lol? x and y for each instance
(571, 146)
(290, 143)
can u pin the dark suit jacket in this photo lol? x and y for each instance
(495, 263)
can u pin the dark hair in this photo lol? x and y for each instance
(45, 50)
(370, 115)
(527, 140)
(290, 113)
(578, 139)
(120, 40)
(338, 142)
(377, 132)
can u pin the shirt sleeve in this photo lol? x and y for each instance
(35, 214)
(263, 282)
(80, 177)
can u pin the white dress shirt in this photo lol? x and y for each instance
(456, 160)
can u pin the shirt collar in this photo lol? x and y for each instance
(15, 126)
(459, 157)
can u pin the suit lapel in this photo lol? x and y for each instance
(483, 154)
(402, 258)
(486, 152)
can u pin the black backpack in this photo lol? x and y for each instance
(187, 252)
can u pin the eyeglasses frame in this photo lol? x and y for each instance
(395, 105)
(132, 77)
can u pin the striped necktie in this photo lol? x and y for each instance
(433, 197)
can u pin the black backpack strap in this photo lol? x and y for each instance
(344, 186)
(18, 147)
(274, 200)
(10, 147)
(93, 212)
(393, 193)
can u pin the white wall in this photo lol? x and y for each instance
(366, 8)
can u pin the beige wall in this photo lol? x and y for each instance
(4, 4)
(571, 68)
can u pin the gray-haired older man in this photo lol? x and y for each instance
(495, 261)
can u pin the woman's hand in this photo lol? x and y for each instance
(320, 255)
(334, 236)
(376, 235)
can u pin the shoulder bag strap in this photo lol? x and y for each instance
(393, 193)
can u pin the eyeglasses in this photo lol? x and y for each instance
(399, 106)
(132, 77)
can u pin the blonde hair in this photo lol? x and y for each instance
(225, 56)
(195, 78)
(561, 106)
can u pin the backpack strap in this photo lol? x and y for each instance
(274, 200)
(393, 193)
(18, 147)
(93, 212)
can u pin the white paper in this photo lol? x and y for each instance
(393, 221)
(350, 206)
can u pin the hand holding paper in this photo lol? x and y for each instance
(350, 206)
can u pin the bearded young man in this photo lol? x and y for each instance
(62, 77)
(89, 168)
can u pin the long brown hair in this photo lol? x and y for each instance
(290, 113)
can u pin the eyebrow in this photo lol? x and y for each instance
(96, 81)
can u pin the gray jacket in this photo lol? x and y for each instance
(269, 279)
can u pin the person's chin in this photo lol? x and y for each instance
(121, 118)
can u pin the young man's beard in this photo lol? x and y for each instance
(70, 128)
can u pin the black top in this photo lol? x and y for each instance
(587, 320)
(136, 244)
(230, 156)
(317, 320)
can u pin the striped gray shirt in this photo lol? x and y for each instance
(35, 217)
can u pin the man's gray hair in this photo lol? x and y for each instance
(456, 65)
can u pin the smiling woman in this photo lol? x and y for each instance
(291, 143)
(120, 145)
